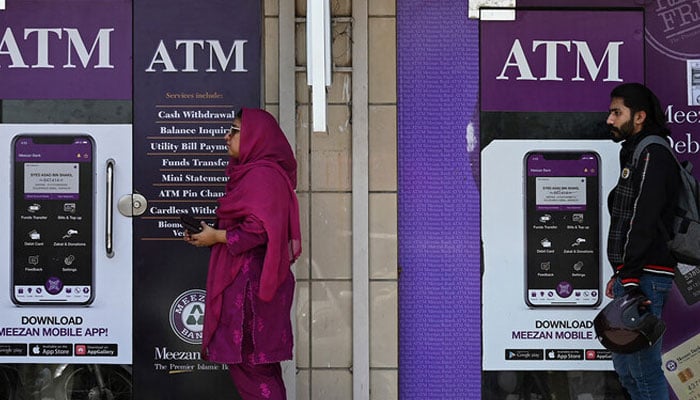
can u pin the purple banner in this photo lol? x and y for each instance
(77, 49)
(557, 60)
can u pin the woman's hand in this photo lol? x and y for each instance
(207, 237)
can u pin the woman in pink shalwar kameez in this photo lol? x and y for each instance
(249, 285)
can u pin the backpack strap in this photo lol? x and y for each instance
(652, 139)
(655, 139)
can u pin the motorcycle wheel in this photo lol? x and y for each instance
(79, 382)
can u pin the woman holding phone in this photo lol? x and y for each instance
(250, 286)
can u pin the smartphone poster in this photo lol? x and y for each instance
(562, 228)
(544, 266)
(52, 220)
(546, 145)
(67, 299)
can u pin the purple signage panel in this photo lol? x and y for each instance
(194, 67)
(559, 61)
(78, 49)
(438, 200)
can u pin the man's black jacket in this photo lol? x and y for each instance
(641, 209)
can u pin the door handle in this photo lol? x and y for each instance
(132, 205)
(109, 218)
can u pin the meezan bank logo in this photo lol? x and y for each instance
(187, 316)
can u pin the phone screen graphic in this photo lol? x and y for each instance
(52, 235)
(562, 234)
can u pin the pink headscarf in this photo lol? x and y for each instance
(261, 183)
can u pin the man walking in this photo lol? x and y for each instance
(641, 209)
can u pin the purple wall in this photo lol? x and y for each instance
(439, 286)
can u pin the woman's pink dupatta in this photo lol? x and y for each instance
(261, 184)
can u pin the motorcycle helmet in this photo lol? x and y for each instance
(626, 326)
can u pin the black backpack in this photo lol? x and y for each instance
(685, 235)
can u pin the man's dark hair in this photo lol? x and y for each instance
(638, 97)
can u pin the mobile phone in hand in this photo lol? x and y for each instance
(190, 223)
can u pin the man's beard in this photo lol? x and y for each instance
(622, 133)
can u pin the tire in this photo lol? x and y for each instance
(7, 385)
(79, 382)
